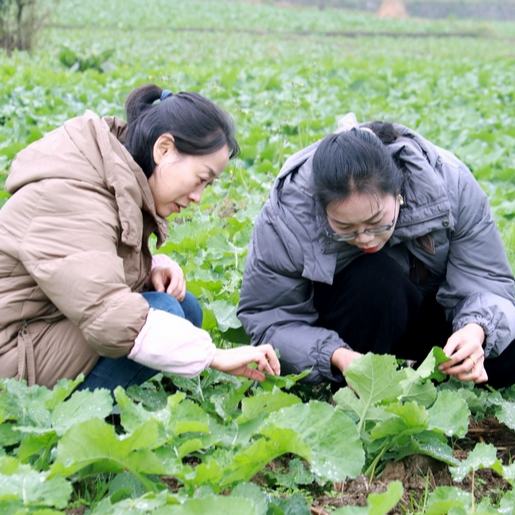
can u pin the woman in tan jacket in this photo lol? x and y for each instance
(79, 289)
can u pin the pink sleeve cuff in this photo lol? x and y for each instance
(172, 344)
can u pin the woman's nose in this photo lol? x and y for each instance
(195, 196)
(363, 237)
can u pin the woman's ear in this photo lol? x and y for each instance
(163, 145)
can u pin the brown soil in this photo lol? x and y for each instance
(76, 511)
(420, 474)
(489, 430)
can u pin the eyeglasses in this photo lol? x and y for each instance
(378, 229)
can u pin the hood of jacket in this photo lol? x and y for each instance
(90, 150)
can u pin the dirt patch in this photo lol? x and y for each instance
(490, 430)
(421, 474)
(418, 475)
(76, 511)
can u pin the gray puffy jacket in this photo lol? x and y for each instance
(445, 222)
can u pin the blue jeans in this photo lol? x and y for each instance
(110, 373)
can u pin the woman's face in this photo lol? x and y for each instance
(180, 179)
(364, 220)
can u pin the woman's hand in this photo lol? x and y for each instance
(169, 279)
(343, 357)
(467, 357)
(236, 361)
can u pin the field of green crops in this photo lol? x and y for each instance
(218, 444)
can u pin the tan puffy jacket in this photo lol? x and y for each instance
(73, 252)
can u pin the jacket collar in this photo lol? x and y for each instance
(122, 159)
(426, 207)
(122, 175)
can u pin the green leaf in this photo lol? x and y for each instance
(95, 442)
(31, 488)
(264, 403)
(125, 485)
(283, 382)
(133, 415)
(145, 504)
(508, 473)
(409, 418)
(427, 443)
(225, 314)
(297, 474)
(293, 505)
(31, 406)
(336, 449)
(505, 413)
(8, 435)
(188, 417)
(348, 401)
(213, 504)
(246, 463)
(449, 414)
(374, 379)
(81, 406)
(507, 503)
(252, 492)
(415, 388)
(443, 499)
(429, 367)
(482, 456)
(227, 402)
(37, 444)
(377, 503)
(62, 389)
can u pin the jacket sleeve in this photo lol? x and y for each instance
(479, 287)
(170, 343)
(276, 306)
(70, 250)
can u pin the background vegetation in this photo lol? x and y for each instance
(285, 73)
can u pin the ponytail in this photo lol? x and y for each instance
(197, 125)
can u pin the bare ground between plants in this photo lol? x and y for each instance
(421, 474)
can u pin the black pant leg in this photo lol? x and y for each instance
(374, 307)
(501, 370)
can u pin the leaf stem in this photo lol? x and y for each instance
(362, 417)
(370, 472)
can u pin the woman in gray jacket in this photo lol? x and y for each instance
(376, 240)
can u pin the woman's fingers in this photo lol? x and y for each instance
(466, 354)
(477, 374)
(182, 293)
(169, 279)
(158, 280)
(236, 361)
(470, 369)
(450, 346)
(266, 360)
(464, 366)
(272, 358)
(176, 284)
(457, 352)
(252, 373)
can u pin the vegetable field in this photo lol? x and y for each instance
(396, 438)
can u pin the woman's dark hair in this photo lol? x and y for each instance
(198, 126)
(356, 161)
